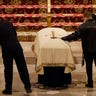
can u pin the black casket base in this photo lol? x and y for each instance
(55, 77)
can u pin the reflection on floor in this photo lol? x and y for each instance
(77, 88)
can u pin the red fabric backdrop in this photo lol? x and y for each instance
(30, 15)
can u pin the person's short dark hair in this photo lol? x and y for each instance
(94, 16)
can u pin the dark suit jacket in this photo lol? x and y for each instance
(8, 36)
(87, 33)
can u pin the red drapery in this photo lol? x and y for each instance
(30, 15)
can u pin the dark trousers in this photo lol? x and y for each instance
(17, 55)
(89, 57)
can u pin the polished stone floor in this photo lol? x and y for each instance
(77, 88)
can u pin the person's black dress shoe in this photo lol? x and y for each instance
(7, 92)
(28, 90)
(89, 85)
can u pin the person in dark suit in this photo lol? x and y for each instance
(87, 33)
(11, 49)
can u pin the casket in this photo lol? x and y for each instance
(53, 51)
(54, 57)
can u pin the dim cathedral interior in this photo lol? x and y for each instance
(36, 21)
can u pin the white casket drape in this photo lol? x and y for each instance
(53, 52)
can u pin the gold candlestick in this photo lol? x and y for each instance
(49, 20)
(49, 11)
(48, 6)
